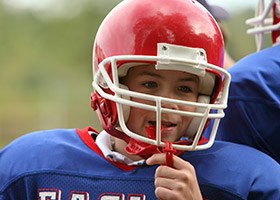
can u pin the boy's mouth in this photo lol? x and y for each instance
(164, 124)
(167, 128)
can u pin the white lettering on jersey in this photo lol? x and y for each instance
(55, 194)
(49, 194)
(79, 195)
(136, 197)
(111, 196)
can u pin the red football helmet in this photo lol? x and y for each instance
(263, 23)
(176, 35)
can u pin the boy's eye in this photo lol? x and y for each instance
(150, 84)
(184, 89)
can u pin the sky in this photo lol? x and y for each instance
(57, 7)
(54, 8)
(230, 5)
(234, 5)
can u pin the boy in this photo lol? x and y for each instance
(157, 79)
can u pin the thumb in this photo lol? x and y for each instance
(156, 159)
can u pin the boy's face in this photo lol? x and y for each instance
(166, 83)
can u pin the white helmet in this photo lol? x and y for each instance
(262, 22)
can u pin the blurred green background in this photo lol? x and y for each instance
(45, 63)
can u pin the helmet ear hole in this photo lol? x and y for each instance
(195, 123)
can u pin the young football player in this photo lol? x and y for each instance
(158, 82)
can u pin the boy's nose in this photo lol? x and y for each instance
(169, 105)
(168, 93)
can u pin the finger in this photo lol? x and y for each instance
(166, 172)
(183, 186)
(163, 193)
(179, 163)
(166, 194)
(174, 183)
(184, 175)
(156, 159)
(171, 184)
(160, 159)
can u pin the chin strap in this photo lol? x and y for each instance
(145, 150)
(169, 152)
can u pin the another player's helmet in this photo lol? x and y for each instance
(262, 23)
(173, 35)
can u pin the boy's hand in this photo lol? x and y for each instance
(176, 183)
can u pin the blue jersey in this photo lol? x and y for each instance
(253, 112)
(67, 164)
